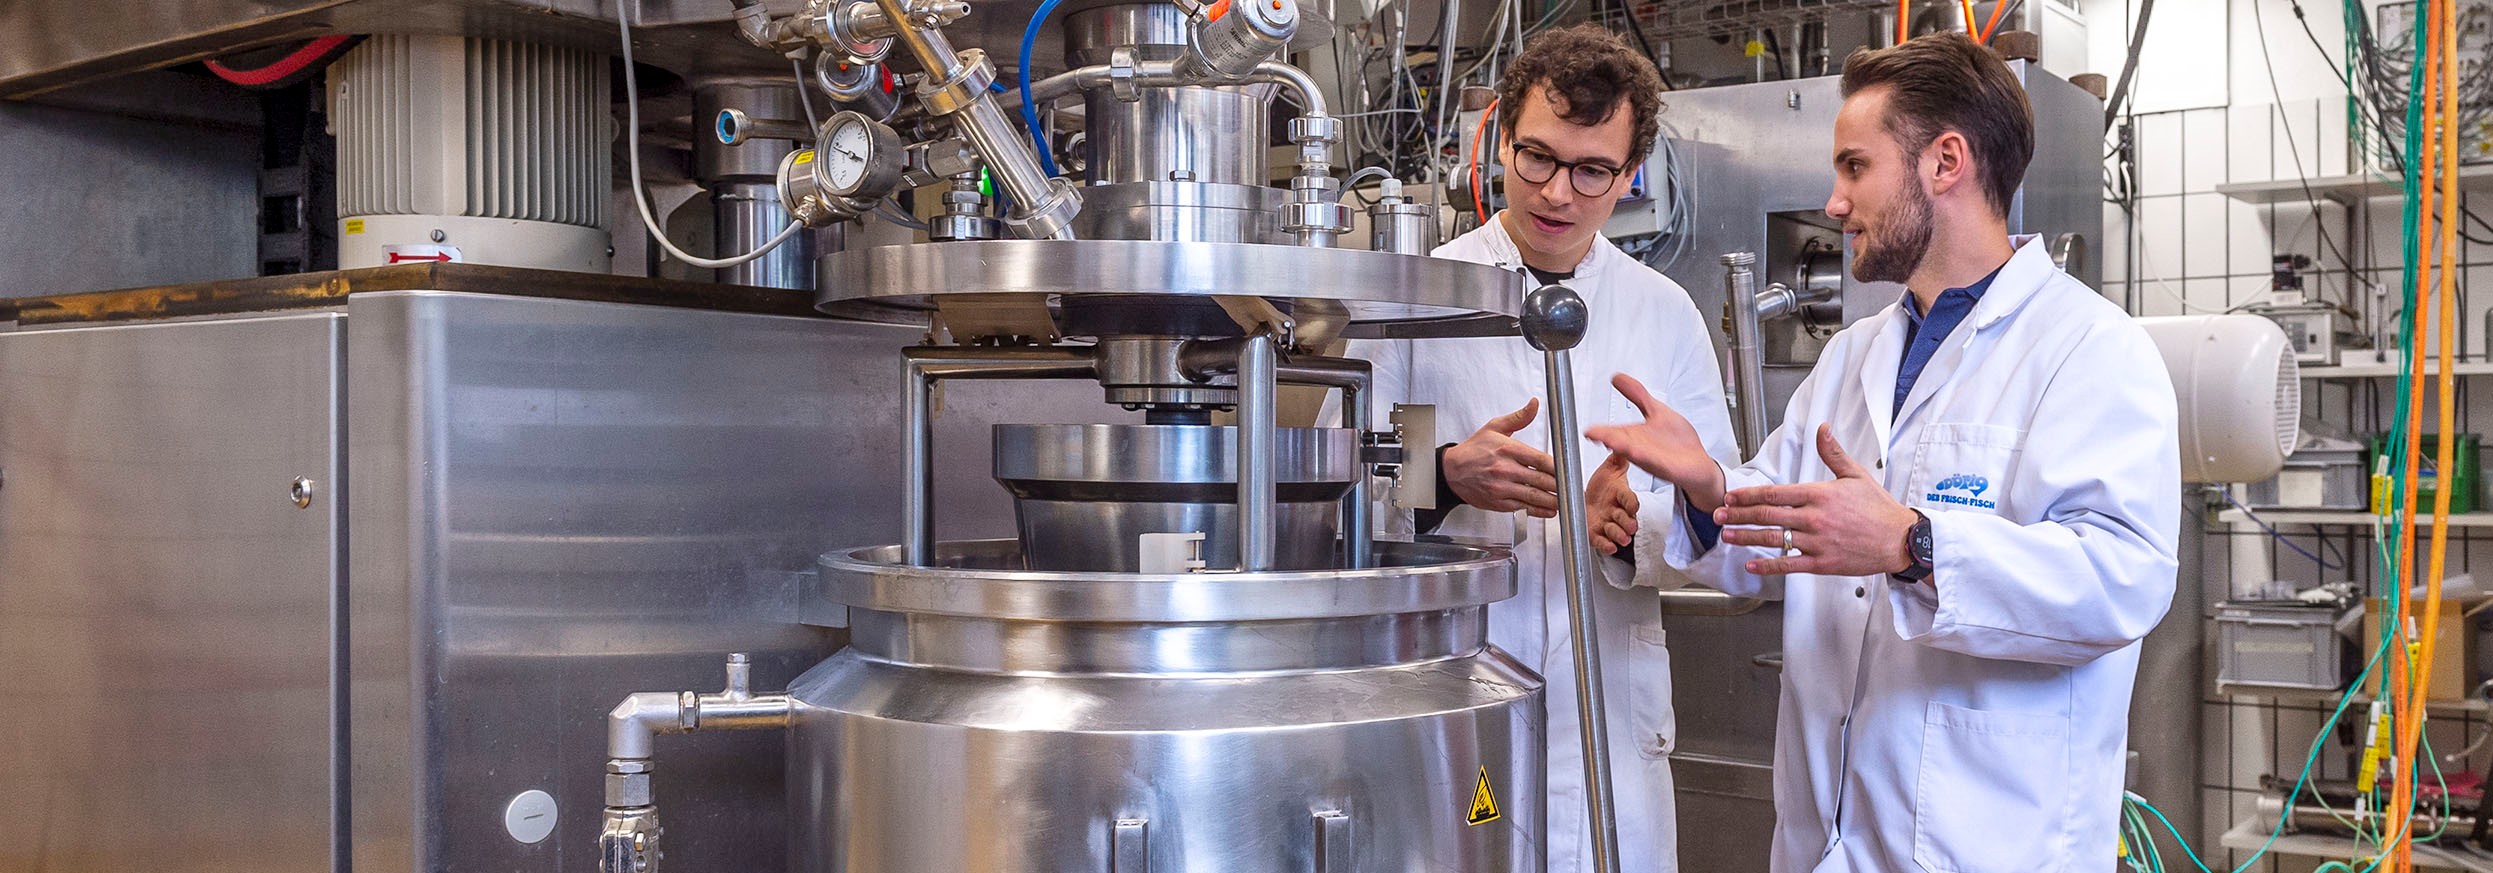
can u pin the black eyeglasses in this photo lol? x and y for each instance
(1590, 180)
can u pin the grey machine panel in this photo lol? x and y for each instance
(559, 503)
(552, 503)
(168, 615)
(1761, 157)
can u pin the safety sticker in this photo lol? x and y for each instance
(1484, 803)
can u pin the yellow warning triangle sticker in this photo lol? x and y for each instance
(1484, 804)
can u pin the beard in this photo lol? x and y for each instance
(1892, 254)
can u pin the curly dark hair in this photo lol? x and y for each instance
(1946, 81)
(1590, 71)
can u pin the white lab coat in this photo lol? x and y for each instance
(1988, 718)
(1642, 324)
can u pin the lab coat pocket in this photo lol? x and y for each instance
(1649, 692)
(1993, 791)
(1964, 466)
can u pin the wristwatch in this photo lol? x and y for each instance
(1917, 546)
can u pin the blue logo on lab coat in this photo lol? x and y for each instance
(1971, 484)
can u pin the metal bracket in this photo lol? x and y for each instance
(1333, 849)
(1129, 846)
(1415, 424)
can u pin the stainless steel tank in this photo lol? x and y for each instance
(994, 719)
(1291, 697)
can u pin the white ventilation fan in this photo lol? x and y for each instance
(2240, 392)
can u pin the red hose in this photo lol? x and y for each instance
(1479, 133)
(294, 63)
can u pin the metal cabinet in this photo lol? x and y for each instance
(513, 512)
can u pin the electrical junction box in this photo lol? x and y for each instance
(1645, 206)
(2318, 330)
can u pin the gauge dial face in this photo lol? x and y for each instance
(859, 157)
(850, 152)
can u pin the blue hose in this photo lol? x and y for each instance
(1030, 110)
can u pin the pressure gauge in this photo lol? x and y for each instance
(858, 157)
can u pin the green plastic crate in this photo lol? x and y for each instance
(2466, 459)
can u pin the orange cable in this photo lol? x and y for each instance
(2443, 35)
(2411, 680)
(1970, 30)
(1478, 133)
(1904, 19)
(1994, 26)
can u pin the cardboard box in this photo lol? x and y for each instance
(2451, 679)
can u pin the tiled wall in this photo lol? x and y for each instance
(2188, 248)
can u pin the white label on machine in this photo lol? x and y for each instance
(2301, 487)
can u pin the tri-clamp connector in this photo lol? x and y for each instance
(1315, 214)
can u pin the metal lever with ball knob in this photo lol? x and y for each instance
(1554, 320)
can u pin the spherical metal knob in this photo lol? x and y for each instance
(1554, 318)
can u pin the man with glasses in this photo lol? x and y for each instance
(1577, 114)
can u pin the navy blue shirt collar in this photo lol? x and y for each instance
(1923, 332)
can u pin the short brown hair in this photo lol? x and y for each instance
(1946, 81)
(1590, 70)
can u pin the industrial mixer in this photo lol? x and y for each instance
(1194, 656)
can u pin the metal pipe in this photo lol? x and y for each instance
(735, 128)
(1166, 74)
(1257, 422)
(1311, 98)
(2321, 818)
(628, 838)
(927, 365)
(1452, 15)
(1008, 154)
(1554, 320)
(917, 471)
(1703, 601)
(1748, 372)
(962, 91)
(632, 726)
(1358, 541)
(1353, 377)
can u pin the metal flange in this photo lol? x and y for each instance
(1377, 293)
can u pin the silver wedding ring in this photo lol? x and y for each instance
(1787, 541)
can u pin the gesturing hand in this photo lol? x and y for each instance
(1493, 470)
(1846, 526)
(1665, 445)
(1610, 506)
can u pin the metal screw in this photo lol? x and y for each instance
(1792, 101)
(301, 492)
(439, 236)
